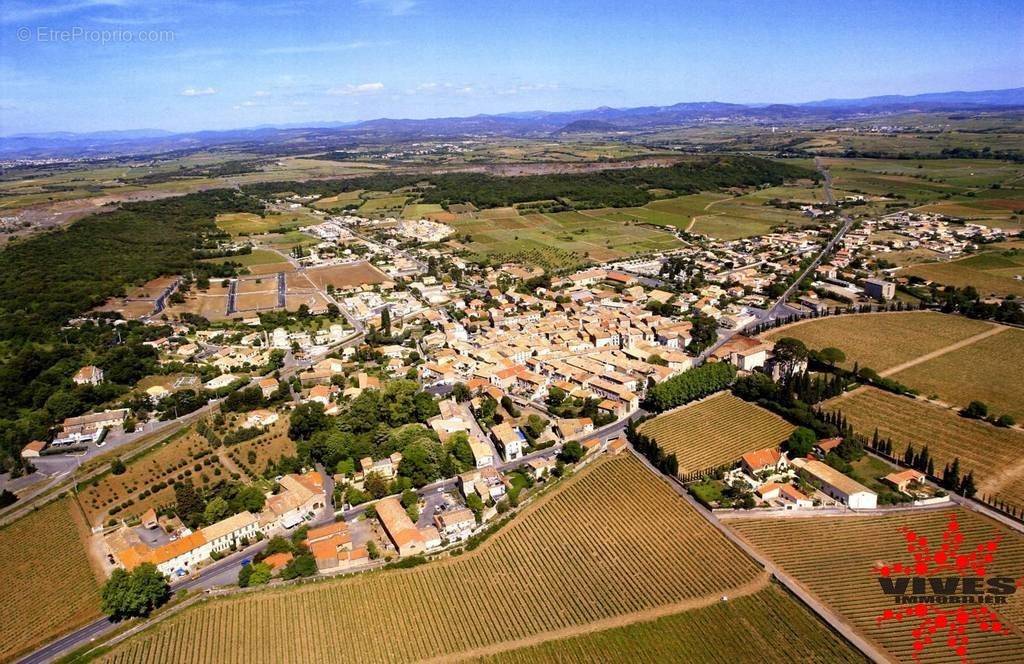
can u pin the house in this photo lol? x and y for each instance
(299, 496)
(510, 439)
(33, 449)
(590, 445)
(176, 558)
(487, 483)
(455, 524)
(399, 527)
(838, 486)
(483, 455)
(88, 375)
(220, 381)
(88, 428)
(826, 445)
(573, 427)
(331, 546)
(905, 481)
(268, 386)
(386, 468)
(769, 459)
(788, 495)
(261, 417)
(321, 394)
(617, 445)
(277, 561)
(538, 467)
(149, 519)
(231, 532)
(744, 352)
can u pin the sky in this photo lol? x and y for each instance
(186, 65)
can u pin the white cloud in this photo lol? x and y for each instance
(393, 7)
(442, 88)
(361, 89)
(261, 93)
(28, 11)
(198, 92)
(326, 47)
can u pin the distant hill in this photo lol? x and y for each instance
(310, 137)
(585, 126)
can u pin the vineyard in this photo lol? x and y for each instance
(48, 587)
(869, 338)
(611, 541)
(149, 480)
(988, 370)
(994, 454)
(835, 559)
(715, 431)
(769, 627)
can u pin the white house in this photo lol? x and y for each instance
(833, 483)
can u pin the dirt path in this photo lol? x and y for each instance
(696, 217)
(758, 584)
(942, 351)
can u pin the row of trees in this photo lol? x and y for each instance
(666, 463)
(689, 386)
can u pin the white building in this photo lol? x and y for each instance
(833, 483)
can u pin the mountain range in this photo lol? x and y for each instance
(307, 137)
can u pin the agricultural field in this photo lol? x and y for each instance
(267, 447)
(626, 543)
(247, 223)
(885, 340)
(716, 431)
(836, 558)
(560, 239)
(920, 181)
(339, 200)
(421, 210)
(996, 455)
(148, 480)
(383, 205)
(48, 584)
(990, 370)
(345, 276)
(991, 273)
(775, 628)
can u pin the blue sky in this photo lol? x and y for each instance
(192, 64)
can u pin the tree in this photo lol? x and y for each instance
(790, 353)
(476, 505)
(135, 593)
(216, 510)
(571, 452)
(302, 565)
(385, 322)
(117, 467)
(801, 442)
(461, 393)
(831, 356)
(976, 410)
(188, 504)
(307, 419)
(260, 574)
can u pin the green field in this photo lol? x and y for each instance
(992, 273)
(420, 210)
(257, 257)
(561, 239)
(246, 223)
(383, 204)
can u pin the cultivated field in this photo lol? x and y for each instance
(991, 274)
(884, 340)
(48, 586)
(989, 370)
(715, 431)
(612, 541)
(187, 456)
(345, 276)
(265, 448)
(769, 626)
(835, 559)
(995, 455)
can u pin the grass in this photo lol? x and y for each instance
(716, 431)
(835, 559)
(994, 454)
(247, 223)
(610, 542)
(990, 370)
(881, 341)
(257, 257)
(383, 204)
(775, 628)
(48, 585)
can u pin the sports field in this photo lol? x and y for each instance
(716, 431)
(836, 559)
(48, 586)
(996, 455)
(884, 340)
(991, 273)
(989, 370)
(612, 541)
(769, 626)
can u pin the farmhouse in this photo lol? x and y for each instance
(87, 428)
(839, 486)
(331, 546)
(744, 352)
(786, 494)
(268, 386)
(33, 449)
(769, 459)
(906, 480)
(231, 532)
